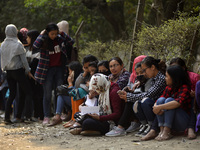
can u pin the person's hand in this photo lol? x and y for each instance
(157, 110)
(94, 116)
(192, 94)
(122, 95)
(70, 80)
(92, 94)
(85, 72)
(30, 75)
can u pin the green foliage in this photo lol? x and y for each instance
(172, 39)
(105, 51)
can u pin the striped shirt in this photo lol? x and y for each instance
(158, 85)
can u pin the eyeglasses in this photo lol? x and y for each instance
(144, 70)
(114, 66)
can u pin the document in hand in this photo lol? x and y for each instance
(89, 110)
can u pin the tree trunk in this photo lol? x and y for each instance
(113, 13)
(138, 20)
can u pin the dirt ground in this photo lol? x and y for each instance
(33, 136)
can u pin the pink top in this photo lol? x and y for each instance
(194, 77)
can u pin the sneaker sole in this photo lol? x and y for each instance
(133, 130)
(115, 135)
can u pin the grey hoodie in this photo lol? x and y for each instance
(13, 54)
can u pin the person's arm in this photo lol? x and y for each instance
(25, 62)
(182, 97)
(68, 39)
(153, 92)
(26, 66)
(79, 80)
(38, 42)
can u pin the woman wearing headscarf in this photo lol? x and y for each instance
(13, 61)
(110, 106)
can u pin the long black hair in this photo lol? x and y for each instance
(77, 68)
(33, 34)
(178, 61)
(179, 76)
(48, 43)
(159, 64)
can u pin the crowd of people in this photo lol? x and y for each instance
(40, 81)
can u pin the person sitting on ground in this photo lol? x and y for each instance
(93, 68)
(82, 81)
(173, 107)
(191, 126)
(119, 74)
(91, 100)
(103, 67)
(153, 69)
(75, 69)
(197, 105)
(110, 106)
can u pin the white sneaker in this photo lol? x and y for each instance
(148, 128)
(142, 129)
(133, 127)
(116, 132)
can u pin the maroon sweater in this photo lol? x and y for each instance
(117, 105)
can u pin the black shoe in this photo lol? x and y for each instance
(146, 131)
(142, 129)
(8, 122)
(16, 120)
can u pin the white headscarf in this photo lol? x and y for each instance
(101, 85)
(64, 26)
(11, 46)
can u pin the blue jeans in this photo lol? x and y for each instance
(61, 101)
(144, 111)
(54, 78)
(176, 119)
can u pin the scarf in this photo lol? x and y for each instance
(136, 60)
(114, 78)
(101, 85)
(64, 26)
(11, 46)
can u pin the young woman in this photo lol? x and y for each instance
(152, 69)
(173, 107)
(75, 68)
(33, 56)
(110, 106)
(82, 82)
(119, 74)
(52, 64)
(13, 60)
(103, 67)
(191, 126)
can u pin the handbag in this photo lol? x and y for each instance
(63, 90)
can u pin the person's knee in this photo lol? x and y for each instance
(169, 100)
(135, 107)
(161, 100)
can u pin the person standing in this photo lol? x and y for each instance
(13, 61)
(52, 63)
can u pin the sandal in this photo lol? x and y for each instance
(76, 131)
(55, 122)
